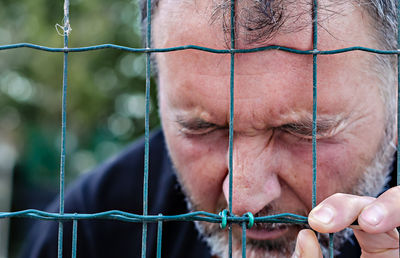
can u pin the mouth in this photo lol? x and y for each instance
(267, 232)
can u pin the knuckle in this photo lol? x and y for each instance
(391, 194)
(395, 191)
(343, 197)
(339, 196)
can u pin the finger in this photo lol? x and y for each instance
(378, 245)
(382, 215)
(307, 245)
(337, 212)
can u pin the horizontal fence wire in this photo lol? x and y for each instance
(200, 48)
(195, 216)
(225, 218)
(132, 217)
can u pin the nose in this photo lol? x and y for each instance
(255, 181)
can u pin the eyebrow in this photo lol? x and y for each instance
(325, 126)
(303, 126)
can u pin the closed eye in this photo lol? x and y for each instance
(298, 130)
(202, 131)
(196, 126)
(305, 130)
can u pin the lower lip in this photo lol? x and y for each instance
(259, 234)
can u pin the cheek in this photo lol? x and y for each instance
(201, 167)
(296, 169)
(336, 171)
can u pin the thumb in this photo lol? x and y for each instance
(307, 245)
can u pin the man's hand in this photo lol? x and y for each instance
(377, 219)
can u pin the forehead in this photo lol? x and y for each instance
(276, 83)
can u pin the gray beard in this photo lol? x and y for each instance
(371, 183)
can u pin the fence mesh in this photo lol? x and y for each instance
(226, 217)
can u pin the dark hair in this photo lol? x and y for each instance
(265, 17)
(143, 12)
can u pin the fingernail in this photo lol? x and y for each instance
(296, 254)
(323, 214)
(373, 215)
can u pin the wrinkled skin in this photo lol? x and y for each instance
(272, 160)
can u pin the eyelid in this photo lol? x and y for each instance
(299, 137)
(297, 129)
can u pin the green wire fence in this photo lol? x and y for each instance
(226, 218)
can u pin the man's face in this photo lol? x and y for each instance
(272, 149)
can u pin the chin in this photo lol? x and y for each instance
(280, 241)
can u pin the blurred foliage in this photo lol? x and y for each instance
(105, 101)
(105, 105)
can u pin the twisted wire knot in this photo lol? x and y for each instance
(251, 219)
(224, 218)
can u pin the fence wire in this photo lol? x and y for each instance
(226, 217)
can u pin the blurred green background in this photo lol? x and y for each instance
(105, 102)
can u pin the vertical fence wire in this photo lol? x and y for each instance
(398, 93)
(74, 237)
(66, 29)
(147, 130)
(231, 119)
(314, 124)
(398, 100)
(331, 245)
(159, 237)
(244, 239)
